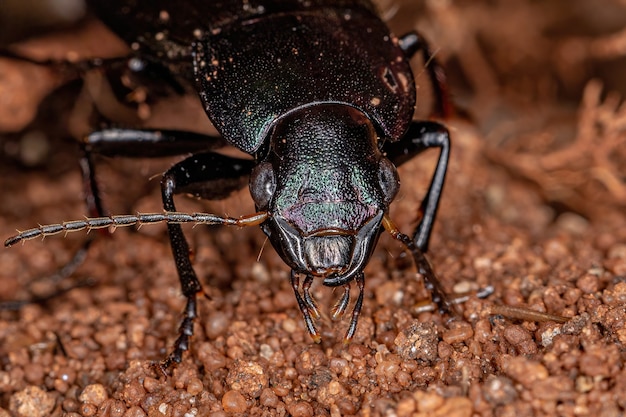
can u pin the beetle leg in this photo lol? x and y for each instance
(189, 174)
(423, 135)
(304, 308)
(410, 44)
(146, 143)
(206, 175)
(310, 302)
(185, 330)
(424, 268)
(150, 68)
(94, 208)
(93, 202)
(188, 279)
(83, 65)
(360, 282)
(340, 307)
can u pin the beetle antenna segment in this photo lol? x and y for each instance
(139, 219)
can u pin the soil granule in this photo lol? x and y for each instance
(534, 205)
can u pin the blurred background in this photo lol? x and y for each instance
(534, 205)
(542, 82)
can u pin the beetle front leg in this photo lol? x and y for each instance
(193, 174)
(423, 135)
(188, 280)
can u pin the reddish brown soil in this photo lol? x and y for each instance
(534, 205)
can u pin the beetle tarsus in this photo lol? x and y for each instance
(185, 332)
(433, 284)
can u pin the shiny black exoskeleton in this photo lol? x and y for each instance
(319, 93)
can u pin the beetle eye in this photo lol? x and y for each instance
(262, 185)
(388, 179)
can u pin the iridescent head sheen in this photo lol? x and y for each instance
(326, 187)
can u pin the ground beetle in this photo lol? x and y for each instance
(319, 93)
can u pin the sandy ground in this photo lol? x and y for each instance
(534, 206)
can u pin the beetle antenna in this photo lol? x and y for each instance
(138, 220)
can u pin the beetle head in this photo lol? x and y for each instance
(326, 186)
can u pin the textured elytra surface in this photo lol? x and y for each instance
(525, 231)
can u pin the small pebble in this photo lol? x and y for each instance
(88, 410)
(31, 402)
(588, 283)
(419, 341)
(234, 402)
(135, 411)
(268, 398)
(216, 324)
(499, 390)
(194, 386)
(525, 371)
(459, 333)
(94, 394)
(247, 378)
(428, 401)
(300, 409)
(520, 338)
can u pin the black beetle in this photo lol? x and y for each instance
(319, 93)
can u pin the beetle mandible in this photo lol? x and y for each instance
(320, 94)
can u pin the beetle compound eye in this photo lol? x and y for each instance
(262, 184)
(388, 179)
